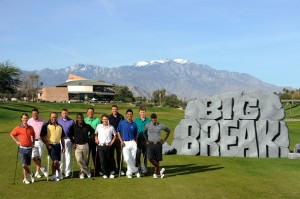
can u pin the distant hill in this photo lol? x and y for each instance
(186, 79)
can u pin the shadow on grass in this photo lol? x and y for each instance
(175, 170)
(14, 109)
(171, 171)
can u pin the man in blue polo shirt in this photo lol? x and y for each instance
(141, 141)
(66, 123)
(127, 133)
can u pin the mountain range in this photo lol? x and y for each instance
(182, 77)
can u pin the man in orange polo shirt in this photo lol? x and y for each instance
(23, 136)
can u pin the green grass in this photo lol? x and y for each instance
(186, 176)
(292, 111)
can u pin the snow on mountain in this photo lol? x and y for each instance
(181, 61)
(160, 61)
(141, 63)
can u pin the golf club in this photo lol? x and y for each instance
(16, 165)
(121, 161)
(95, 162)
(72, 166)
(48, 160)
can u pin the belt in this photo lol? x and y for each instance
(156, 142)
(103, 144)
(81, 143)
(38, 140)
(25, 147)
(53, 143)
(66, 138)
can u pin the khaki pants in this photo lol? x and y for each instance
(82, 155)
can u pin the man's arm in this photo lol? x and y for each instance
(121, 140)
(145, 133)
(62, 140)
(14, 139)
(72, 133)
(33, 138)
(43, 136)
(114, 137)
(135, 133)
(95, 134)
(167, 130)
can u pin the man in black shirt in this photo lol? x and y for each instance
(80, 134)
(114, 119)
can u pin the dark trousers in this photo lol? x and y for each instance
(116, 147)
(92, 148)
(141, 150)
(106, 160)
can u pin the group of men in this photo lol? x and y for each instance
(129, 138)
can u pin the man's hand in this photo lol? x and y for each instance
(63, 150)
(122, 144)
(162, 141)
(74, 146)
(147, 142)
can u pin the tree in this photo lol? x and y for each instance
(9, 77)
(172, 101)
(159, 96)
(30, 85)
(122, 93)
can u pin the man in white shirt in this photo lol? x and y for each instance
(104, 138)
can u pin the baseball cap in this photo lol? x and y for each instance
(153, 115)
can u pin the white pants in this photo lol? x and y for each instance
(37, 150)
(65, 163)
(129, 153)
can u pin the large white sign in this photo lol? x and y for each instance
(247, 124)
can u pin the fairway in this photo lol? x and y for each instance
(186, 176)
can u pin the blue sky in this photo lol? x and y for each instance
(258, 37)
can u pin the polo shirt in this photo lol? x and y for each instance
(66, 125)
(80, 134)
(93, 122)
(37, 126)
(141, 125)
(24, 134)
(114, 121)
(52, 132)
(105, 133)
(127, 130)
(152, 131)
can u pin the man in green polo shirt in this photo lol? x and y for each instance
(141, 141)
(93, 121)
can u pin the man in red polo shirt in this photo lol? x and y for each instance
(23, 136)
